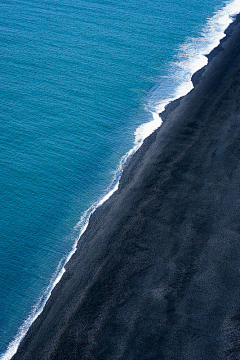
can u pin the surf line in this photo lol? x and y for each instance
(191, 57)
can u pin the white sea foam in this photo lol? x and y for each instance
(144, 130)
(190, 58)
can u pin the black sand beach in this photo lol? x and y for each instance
(157, 273)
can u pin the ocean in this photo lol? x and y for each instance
(82, 83)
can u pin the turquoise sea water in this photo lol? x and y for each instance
(77, 79)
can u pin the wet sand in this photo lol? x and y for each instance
(157, 273)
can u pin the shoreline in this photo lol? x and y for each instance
(126, 181)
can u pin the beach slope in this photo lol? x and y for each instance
(157, 273)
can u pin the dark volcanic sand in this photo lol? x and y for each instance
(157, 273)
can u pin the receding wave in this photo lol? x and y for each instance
(190, 58)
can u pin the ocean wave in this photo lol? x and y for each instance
(191, 56)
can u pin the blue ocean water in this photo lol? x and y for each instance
(77, 79)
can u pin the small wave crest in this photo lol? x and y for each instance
(191, 57)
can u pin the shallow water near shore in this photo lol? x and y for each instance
(77, 80)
